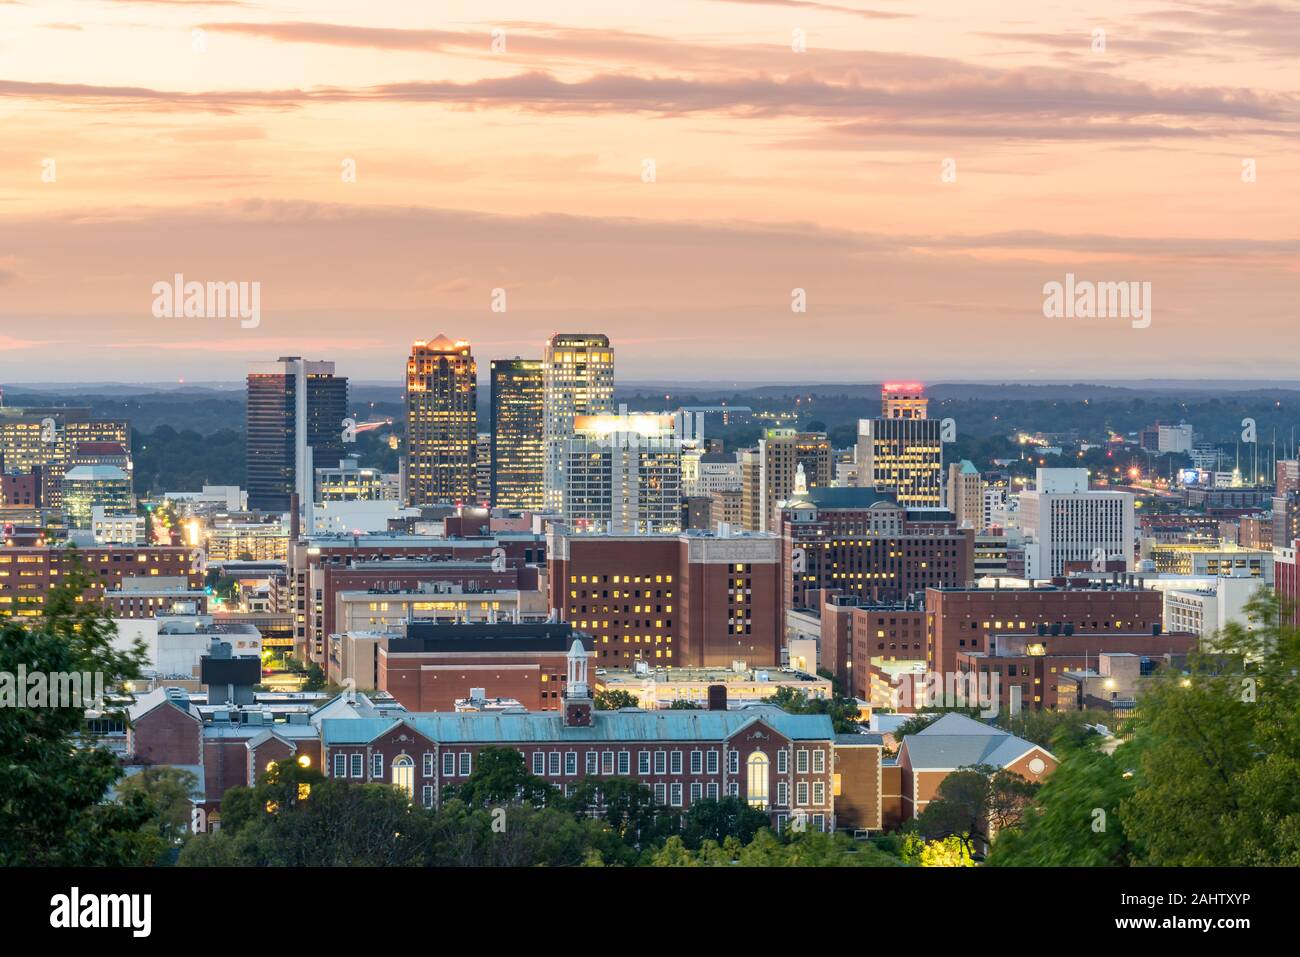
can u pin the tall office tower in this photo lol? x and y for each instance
(518, 426)
(623, 474)
(47, 439)
(1070, 527)
(1287, 476)
(966, 494)
(483, 469)
(441, 422)
(295, 414)
(577, 379)
(782, 453)
(902, 451)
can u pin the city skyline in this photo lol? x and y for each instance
(910, 167)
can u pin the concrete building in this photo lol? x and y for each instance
(441, 422)
(518, 425)
(965, 495)
(577, 379)
(622, 474)
(1066, 523)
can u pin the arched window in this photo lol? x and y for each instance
(404, 775)
(757, 788)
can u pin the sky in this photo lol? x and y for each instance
(778, 190)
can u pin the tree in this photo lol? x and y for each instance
(315, 678)
(1074, 820)
(613, 700)
(717, 820)
(973, 804)
(171, 791)
(500, 777)
(681, 704)
(53, 780)
(628, 807)
(843, 711)
(1216, 752)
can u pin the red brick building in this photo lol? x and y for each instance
(438, 664)
(961, 620)
(862, 542)
(854, 632)
(312, 562)
(1029, 668)
(27, 573)
(689, 600)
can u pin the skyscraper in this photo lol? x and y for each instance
(1066, 523)
(578, 379)
(902, 451)
(623, 474)
(285, 437)
(781, 452)
(518, 427)
(441, 422)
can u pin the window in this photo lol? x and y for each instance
(553, 764)
(570, 762)
(711, 761)
(340, 765)
(661, 794)
(625, 763)
(819, 793)
(757, 779)
(539, 763)
(733, 762)
(427, 764)
(697, 762)
(677, 795)
(591, 759)
(465, 763)
(661, 762)
(404, 775)
(426, 795)
(782, 794)
(733, 789)
(780, 822)
(355, 764)
(801, 793)
(376, 765)
(712, 790)
(675, 765)
(819, 821)
(697, 791)
(643, 762)
(782, 761)
(607, 762)
(801, 761)
(819, 761)
(448, 764)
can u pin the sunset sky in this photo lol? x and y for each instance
(209, 139)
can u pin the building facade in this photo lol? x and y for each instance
(441, 422)
(577, 379)
(518, 434)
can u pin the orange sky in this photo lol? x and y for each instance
(145, 139)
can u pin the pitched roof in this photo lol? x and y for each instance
(956, 741)
(544, 727)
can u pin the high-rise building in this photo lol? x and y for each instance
(518, 431)
(772, 475)
(441, 422)
(578, 379)
(902, 451)
(1065, 523)
(966, 494)
(295, 416)
(623, 474)
(46, 439)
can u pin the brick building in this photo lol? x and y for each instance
(695, 599)
(862, 542)
(27, 573)
(317, 564)
(437, 664)
(856, 632)
(1029, 668)
(959, 620)
(778, 762)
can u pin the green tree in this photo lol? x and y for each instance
(171, 792)
(53, 780)
(973, 804)
(500, 777)
(843, 711)
(613, 700)
(717, 820)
